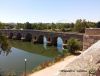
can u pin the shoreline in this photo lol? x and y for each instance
(54, 70)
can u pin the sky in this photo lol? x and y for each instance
(49, 10)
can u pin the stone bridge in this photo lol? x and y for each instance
(37, 35)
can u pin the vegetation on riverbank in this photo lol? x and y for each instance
(74, 45)
(4, 44)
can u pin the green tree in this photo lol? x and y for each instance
(73, 45)
(53, 26)
(20, 25)
(81, 25)
(98, 24)
(34, 25)
(2, 25)
(28, 25)
(91, 25)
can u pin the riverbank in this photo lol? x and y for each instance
(54, 69)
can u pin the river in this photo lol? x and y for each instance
(13, 61)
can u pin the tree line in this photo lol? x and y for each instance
(78, 26)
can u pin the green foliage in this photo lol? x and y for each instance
(28, 25)
(20, 26)
(45, 26)
(80, 25)
(74, 45)
(4, 42)
(2, 25)
(98, 24)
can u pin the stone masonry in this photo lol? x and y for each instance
(51, 36)
(91, 36)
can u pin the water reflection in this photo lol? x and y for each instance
(5, 52)
(59, 44)
(45, 42)
(5, 49)
(14, 62)
(4, 45)
(35, 48)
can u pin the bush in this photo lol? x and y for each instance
(74, 45)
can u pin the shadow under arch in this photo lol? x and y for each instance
(54, 40)
(40, 39)
(28, 37)
(11, 35)
(18, 36)
(49, 39)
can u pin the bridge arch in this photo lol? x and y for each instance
(35, 37)
(28, 37)
(49, 38)
(18, 36)
(54, 40)
(40, 39)
(11, 35)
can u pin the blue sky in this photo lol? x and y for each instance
(49, 10)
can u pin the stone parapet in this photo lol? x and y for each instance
(92, 31)
(91, 36)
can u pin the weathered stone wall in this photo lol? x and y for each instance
(91, 36)
(92, 31)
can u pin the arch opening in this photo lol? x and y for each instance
(18, 36)
(35, 37)
(49, 39)
(11, 35)
(40, 39)
(28, 37)
(54, 41)
(59, 44)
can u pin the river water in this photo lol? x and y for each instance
(13, 61)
